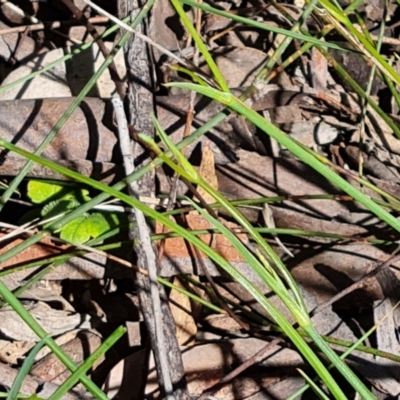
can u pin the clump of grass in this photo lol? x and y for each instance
(266, 262)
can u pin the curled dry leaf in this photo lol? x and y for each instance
(207, 172)
(13, 352)
(55, 322)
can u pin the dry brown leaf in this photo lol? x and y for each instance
(12, 352)
(207, 172)
(240, 65)
(181, 310)
(319, 66)
(57, 82)
(53, 321)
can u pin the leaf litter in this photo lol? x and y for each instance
(309, 101)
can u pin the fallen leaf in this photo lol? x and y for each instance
(186, 327)
(207, 172)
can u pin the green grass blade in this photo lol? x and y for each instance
(42, 334)
(187, 169)
(201, 45)
(217, 258)
(239, 217)
(194, 178)
(271, 279)
(339, 68)
(286, 141)
(313, 386)
(263, 26)
(282, 138)
(279, 289)
(84, 368)
(24, 370)
(370, 51)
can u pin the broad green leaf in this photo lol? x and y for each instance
(83, 228)
(58, 207)
(42, 192)
(75, 231)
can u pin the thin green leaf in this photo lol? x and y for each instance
(201, 45)
(42, 334)
(153, 146)
(317, 390)
(305, 156)
(367, 48)
(24, 370)
(84, 368)
(263, 25)
(217, 258)
(270, 278)
(285, 140)
(277, 289)
(188, 171)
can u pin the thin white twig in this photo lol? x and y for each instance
(27, 227)
(145, 243)
(18, 11)
(80, 246)
(16, 230)
(31, 225)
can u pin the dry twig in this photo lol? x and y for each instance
(146, 247)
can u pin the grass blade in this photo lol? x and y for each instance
(24, 370)
(82, 369)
